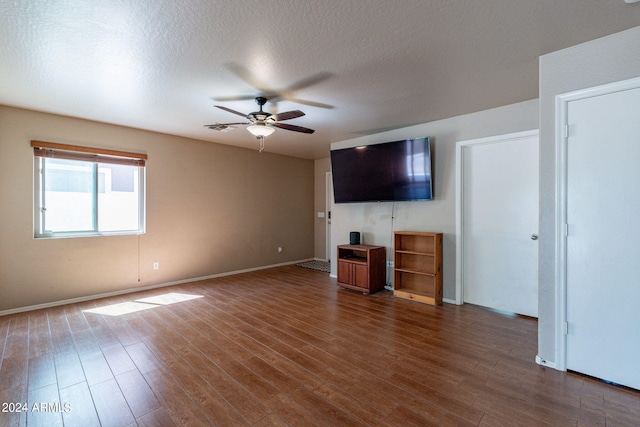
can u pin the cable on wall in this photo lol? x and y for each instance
(388, 286)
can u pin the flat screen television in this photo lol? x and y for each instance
(392, 171)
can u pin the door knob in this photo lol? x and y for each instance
(534, 237)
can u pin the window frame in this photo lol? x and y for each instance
(43, 150)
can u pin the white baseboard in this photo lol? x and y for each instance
(540, 361)
(142, 288)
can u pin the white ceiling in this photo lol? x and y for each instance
(381, 64)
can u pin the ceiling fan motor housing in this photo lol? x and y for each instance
(261, 116)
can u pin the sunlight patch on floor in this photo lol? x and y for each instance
(127, 307)
(170, 298)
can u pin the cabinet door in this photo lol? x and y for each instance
(361, 276)
(344, 272)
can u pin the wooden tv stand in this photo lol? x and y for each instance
(362, 267)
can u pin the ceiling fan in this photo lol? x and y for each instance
(262, 123)
(274, 95)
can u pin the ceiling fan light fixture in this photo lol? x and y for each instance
(260, 130)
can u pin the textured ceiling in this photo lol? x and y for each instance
(381, 64)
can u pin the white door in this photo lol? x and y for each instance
(603, 240)
(500, 223)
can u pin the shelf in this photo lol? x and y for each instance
(415, 297)
(418, 266)
(419, 242)
(418, 287)
(419, 263)
(413, 271)
(355, 260)
(415, 253)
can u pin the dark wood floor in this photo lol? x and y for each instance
(287, 347)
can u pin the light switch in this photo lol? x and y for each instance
(320, 214)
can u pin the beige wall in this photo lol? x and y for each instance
(211, 209)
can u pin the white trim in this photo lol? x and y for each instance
(143, 288)
(562, 109)
(460, 146)
(328, 201)
(459, 297)
(560, 244)
(540, 361)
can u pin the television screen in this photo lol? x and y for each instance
(393, 171)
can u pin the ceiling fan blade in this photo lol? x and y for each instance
(230, 110)
(287, 93)
(234, 98)
(222, 126)
(288, 115)
(272, 95)
(230, 124)
(246, 75)
(309, 103)
(311, 80)
(293, 128)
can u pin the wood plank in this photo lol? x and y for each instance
(175, 400)
(137, 393)
(42, 371)
(13, 372)
(362, 411)
(285, 346)
(14, 416)
(17, 341)
(81, 411)
(39, 337)
(83, 337)
(4, 332)
(68, 369)
(44, 407)
(95, 367)
(142, 357)
(159, 417)
(118, 359)
(61, 337)
(214, 405)
(110, 404)
(245, 400)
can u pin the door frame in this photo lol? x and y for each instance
(562, 133)
(328, 182)
(460, 229)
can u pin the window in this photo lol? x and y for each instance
(82, 191)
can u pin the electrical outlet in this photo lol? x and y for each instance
(156, 265)
(389, 263)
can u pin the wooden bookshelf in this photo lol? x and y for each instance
(418, 266)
